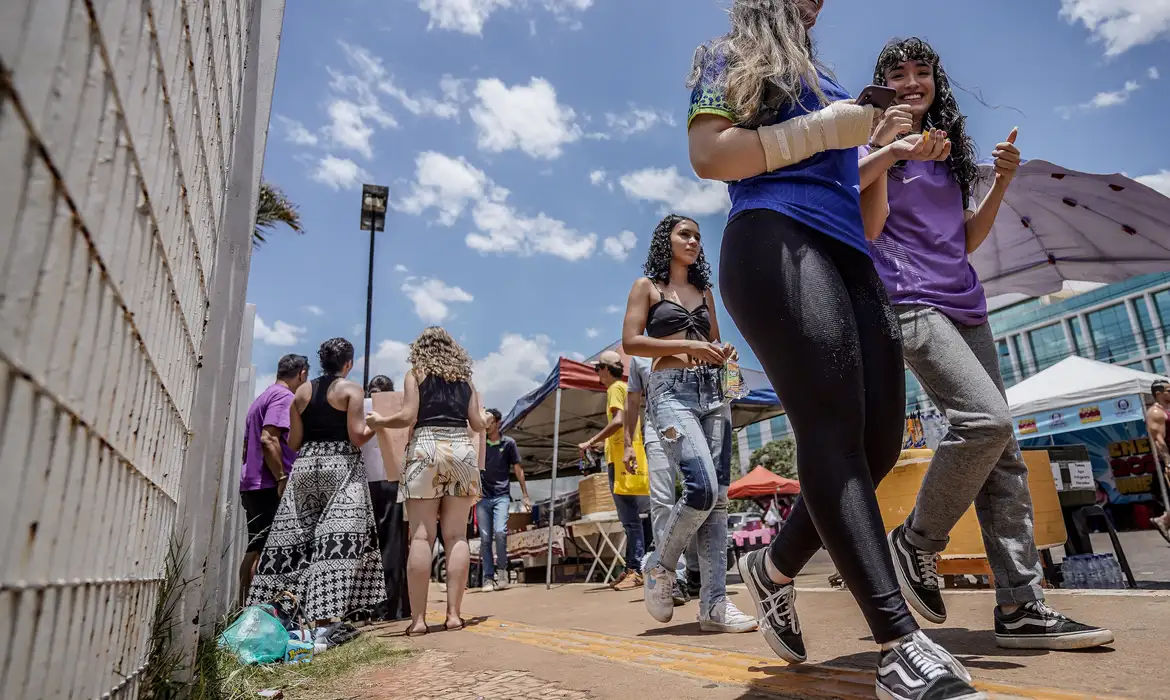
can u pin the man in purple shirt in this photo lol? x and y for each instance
(267, 459)
(921, 257)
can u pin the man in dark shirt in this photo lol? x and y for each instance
(501, 460)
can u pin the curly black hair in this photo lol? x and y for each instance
(657, 266)
(333, 355)
(944, 111)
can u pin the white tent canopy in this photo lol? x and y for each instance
(1073, 381)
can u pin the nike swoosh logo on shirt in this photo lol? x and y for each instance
(908, 180)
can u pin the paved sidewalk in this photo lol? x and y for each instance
(583, 641)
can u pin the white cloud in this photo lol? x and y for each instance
(280, 334)
(1152, 73)
(451, 186)
(400, 268)
(423, 105)
(1120, 24)
(389, 359)
(295, 132)
(447, 185)
(685, 195)
(579, 357)
(339, 173)
(1159, 181)
(315, 310)
(525, 117)
(518, 366)
(503, 230)
(636, 120)
(613, 309)
(469, 16)
(592, 332)
(597, 177)
(263, 381)
(348, 128)
(432, 296)
(618, 247)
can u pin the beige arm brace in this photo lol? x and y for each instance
(839, 125)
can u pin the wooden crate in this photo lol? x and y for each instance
(965, 553)
(594, 495)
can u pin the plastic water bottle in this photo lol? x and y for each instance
(1071, 568)
(1095, 572)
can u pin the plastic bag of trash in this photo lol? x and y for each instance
(256, 636)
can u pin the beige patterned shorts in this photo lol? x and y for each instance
(439, 462)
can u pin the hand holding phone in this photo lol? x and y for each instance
(879, 96)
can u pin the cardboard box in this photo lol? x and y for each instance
(517, 522)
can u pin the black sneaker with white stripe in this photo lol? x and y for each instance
(1036, 626)
(918, 576)
(912, 670)
(775, 608)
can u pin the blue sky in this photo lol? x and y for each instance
(530, 146)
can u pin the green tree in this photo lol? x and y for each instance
(778, 457)
(273, 208)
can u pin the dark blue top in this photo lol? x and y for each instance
(823, 192)
(497, 466)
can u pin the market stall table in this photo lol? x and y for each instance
(527, 548)
(601, 526)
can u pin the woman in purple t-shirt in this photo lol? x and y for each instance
(921, 256)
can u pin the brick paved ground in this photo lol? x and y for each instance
(433, 676)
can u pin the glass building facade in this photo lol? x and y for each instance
(1124, 323)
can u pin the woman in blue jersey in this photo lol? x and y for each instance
(797, 279)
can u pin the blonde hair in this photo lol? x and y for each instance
(767, 50)
(435, 352)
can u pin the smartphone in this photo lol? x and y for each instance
(878, 96)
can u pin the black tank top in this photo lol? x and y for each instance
(669, 317)
(442, 404)
(324, 423)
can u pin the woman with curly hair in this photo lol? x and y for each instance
(323, 546)
(440, 479)
(797, 278)
(921, 257)
(670, 317)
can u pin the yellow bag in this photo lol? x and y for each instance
(637, 484)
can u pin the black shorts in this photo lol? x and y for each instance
(260, 507)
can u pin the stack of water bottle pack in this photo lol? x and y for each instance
(1092, 571)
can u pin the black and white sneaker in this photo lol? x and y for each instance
(775, 608)
(918, 577)
(679, 594)
(912, 670)
(1037, 626)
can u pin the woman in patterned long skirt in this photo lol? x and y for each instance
(322, 545)
(440, 480)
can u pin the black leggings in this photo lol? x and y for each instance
(817, 317)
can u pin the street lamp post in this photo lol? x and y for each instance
(374, 198)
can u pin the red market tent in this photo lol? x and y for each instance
(761, 482)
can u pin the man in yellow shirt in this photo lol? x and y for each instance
(629, 508)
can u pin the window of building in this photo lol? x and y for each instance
(1112, 334)
(1149, 328)
(1162, 307)
(754, 440)
(1048, 346)
(1021, 358)
(1006, 369)
(1140, 365)
(1081, 347)
(780, 428)
(1158, 365)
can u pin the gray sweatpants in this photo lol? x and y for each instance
(979, 459)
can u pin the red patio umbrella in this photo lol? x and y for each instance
(761, 482)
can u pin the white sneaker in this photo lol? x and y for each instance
(725, 617)
(658, 593)
(501, 580)
(489, 585)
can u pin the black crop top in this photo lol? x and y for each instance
(324, 423)
(668, 317)
(442, 404)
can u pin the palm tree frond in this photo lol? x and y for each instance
(274, 208)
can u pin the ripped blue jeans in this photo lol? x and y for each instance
(694, 425)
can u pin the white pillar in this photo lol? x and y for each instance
(1136, 326)
(1087, 336)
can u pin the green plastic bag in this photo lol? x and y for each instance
(256, 637)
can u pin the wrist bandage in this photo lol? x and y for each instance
(837, 126)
